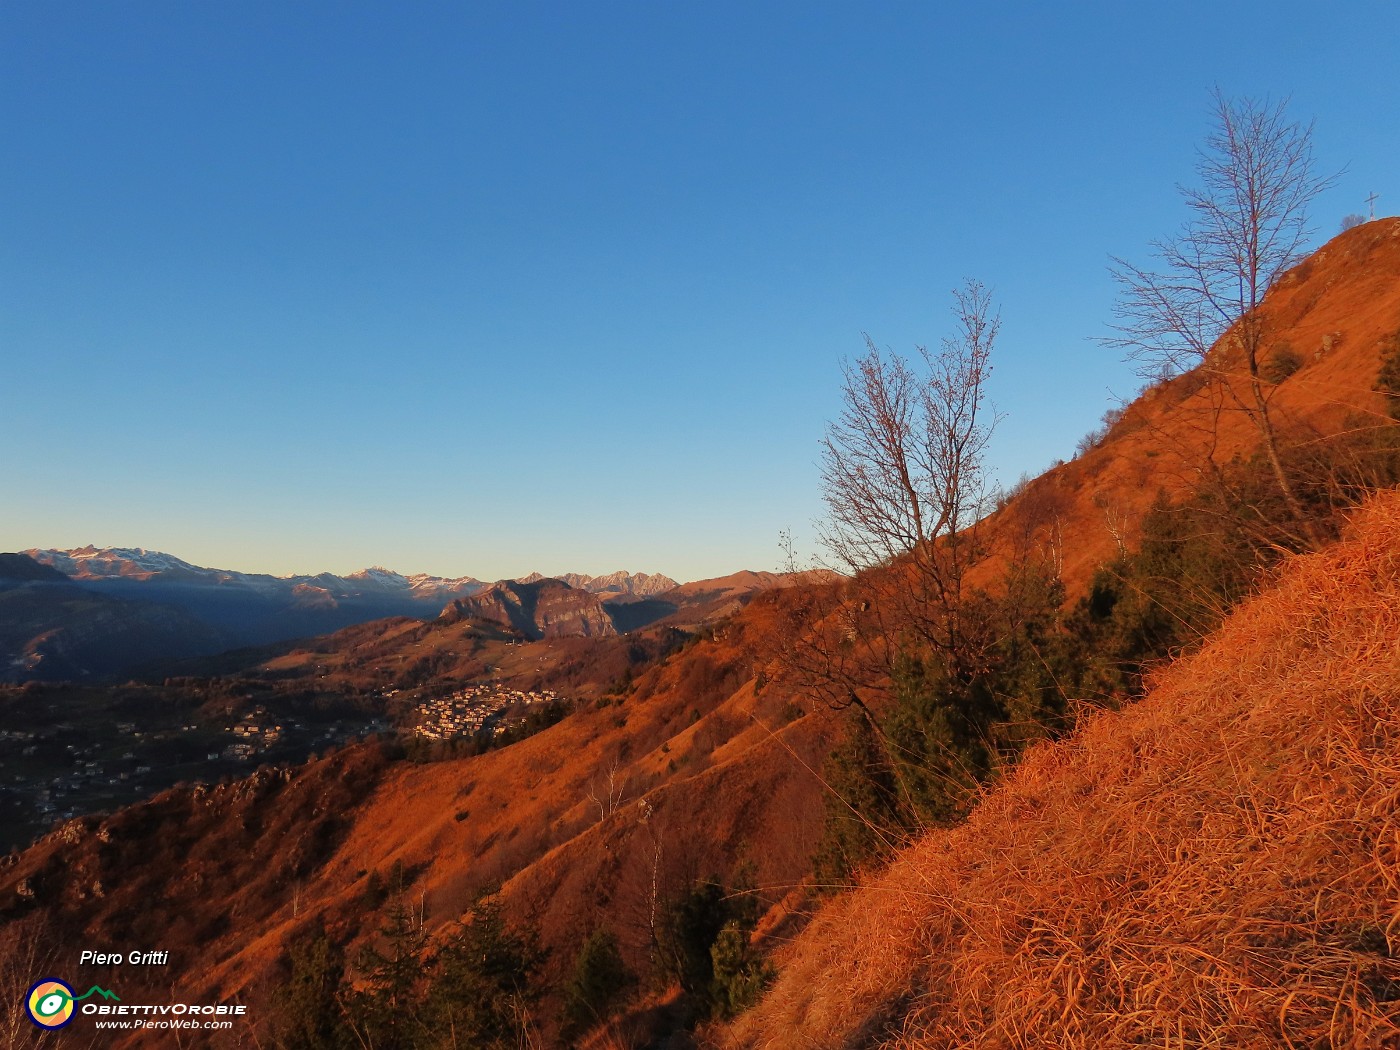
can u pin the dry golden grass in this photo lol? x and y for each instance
(1217, 866)
(1333, 310)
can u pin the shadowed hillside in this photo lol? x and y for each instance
(51, 629)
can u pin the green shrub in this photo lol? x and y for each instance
(740, 975)
(601, 980)
(865, 819)
(707, 948)
(306, 1014)
(483, 983)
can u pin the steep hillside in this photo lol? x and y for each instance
(1145, 880)
(1332, 312)
(585, 823)
(15, 567)
(1218, 865)
(190, 871)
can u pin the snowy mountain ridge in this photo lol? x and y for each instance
(141, 564)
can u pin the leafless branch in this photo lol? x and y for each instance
(1198, 306)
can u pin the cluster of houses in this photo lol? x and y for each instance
(89, 779)
(255, 732)
(477, 709)
(107, 767)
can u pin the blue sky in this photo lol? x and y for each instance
(481, 288)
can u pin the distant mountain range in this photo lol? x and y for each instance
(254, 608)
(137, 563)
(113, 610)
(636, 584)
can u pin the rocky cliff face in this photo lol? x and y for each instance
(543, 609)
(640, 584)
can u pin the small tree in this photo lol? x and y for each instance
(1248, 222)
(308, 1003)
(484, 989)
(385, 1011)
(866, 817)
(903, 477)
(693, 926)
(741, 975)
(940, 735)
(904, 480)
(706, 947)
(599, 982)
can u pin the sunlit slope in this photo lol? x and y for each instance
(1218, 865)
(570, 820)
(1332, 311)
(588, 823)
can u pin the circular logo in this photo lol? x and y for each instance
(50, 1003)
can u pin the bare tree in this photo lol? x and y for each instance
(1249, 220)
(904, 480)
(905, 485)
(608, 797)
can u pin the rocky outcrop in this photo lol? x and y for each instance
(544, 609)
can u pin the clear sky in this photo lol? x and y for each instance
(485, 288)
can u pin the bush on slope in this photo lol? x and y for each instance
(1218, 865)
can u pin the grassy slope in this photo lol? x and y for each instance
(1346, 296)
(1218, 865)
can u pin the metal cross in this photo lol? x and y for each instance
(1371, 200)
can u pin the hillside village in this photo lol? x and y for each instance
(476, 710)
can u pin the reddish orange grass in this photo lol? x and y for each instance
(1216, 866)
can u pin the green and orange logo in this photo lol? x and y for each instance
(50, 1002)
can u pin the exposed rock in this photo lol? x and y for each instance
(546, 609)
(640, 584)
